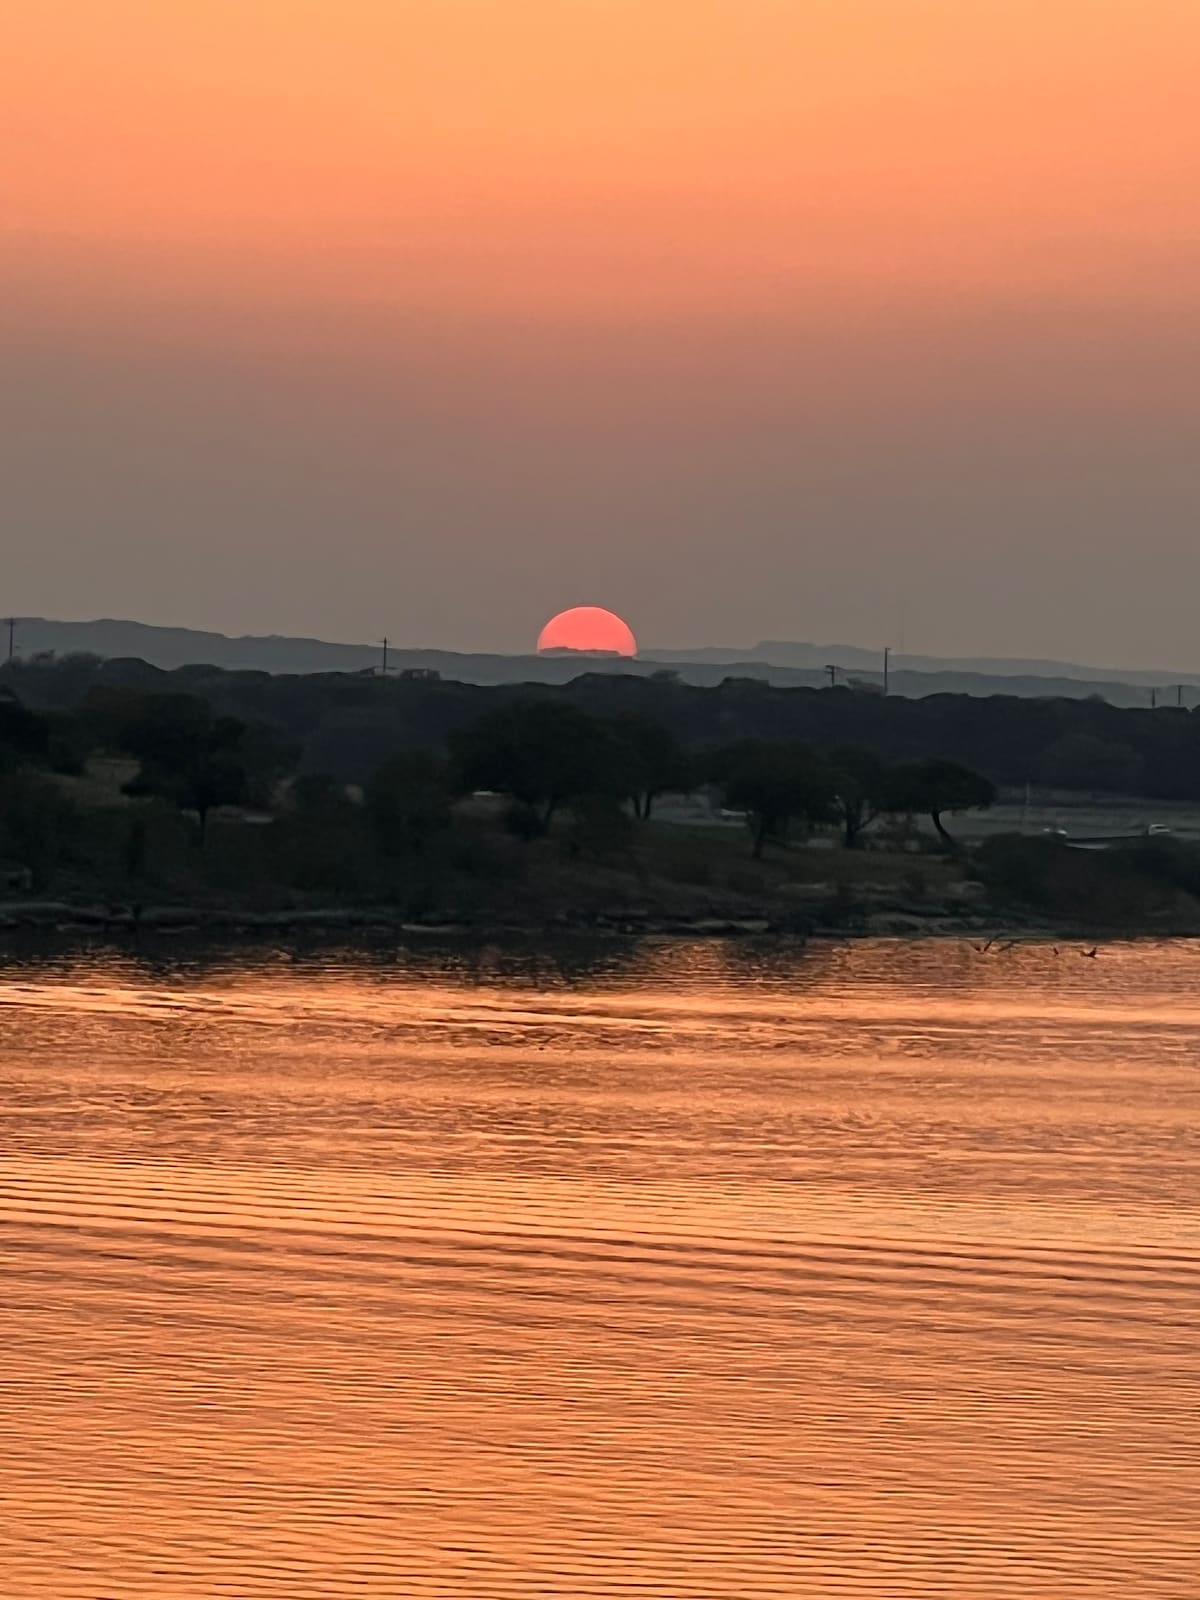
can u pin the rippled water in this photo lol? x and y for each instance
(674, 1271)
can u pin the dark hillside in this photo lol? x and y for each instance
(347, 724)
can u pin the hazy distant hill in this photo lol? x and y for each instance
(181, 647)
(781, 663)
(853, 658)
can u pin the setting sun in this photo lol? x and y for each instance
(589, 628)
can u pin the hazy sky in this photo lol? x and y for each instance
(875, 320)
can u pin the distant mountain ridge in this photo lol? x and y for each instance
(183, 647)
(855, 658)
(780, 662)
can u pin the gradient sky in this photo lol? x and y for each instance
(870, 320)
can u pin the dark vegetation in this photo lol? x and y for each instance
(347, 725)
(119, 780)
(1150, 884)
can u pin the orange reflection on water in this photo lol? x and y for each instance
(685, 1270)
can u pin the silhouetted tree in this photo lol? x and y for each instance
(541, 753)
(933, 788)
(651, 760)
(188, 757)
(860, 792)
(774, 784)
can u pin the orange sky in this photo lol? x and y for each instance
(610, 154)
(614, 255)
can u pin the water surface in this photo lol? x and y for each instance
(669, 1271)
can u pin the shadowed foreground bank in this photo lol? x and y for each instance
(136, 808)
(674, 880)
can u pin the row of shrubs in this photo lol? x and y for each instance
(1140, 885)
(543, 756)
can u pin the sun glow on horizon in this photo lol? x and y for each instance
(590, 629)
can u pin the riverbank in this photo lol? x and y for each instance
(824, 915)
(666, 880)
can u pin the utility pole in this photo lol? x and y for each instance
(384, 669)
(1153, 699)
(12, 636)
(1179, 695)
(887, 659)
(832, 671)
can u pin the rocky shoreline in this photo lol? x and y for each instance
(875, 915)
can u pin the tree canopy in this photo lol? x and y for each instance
(860, 792)
(541, 753)
(651, 761)
(190, 757)
(933, 788)
(775, 785)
